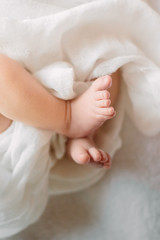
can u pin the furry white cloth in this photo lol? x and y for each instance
(64, 50)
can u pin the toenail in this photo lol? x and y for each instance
(109, 102)
(114, 113)
(108, 94)
(106, 78)
(104, 95)
(111, 111)
(105, 103)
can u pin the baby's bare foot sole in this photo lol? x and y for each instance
(91, 109)
(84, 151)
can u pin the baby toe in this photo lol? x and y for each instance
(106, 160)
(99, 95)
(102, 83)
(83, 158)
(109, 162)
(95, 154)
(106, 111)
(103, 103)
(105, 157)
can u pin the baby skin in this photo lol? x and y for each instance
(97, 100)
(22, 91)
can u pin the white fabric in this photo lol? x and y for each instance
(124, 205)
(79, 43)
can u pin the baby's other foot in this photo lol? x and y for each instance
(90, 110)
(84, 151)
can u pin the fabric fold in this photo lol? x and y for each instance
(64, 51)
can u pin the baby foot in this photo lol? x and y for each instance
(84, 151)
(90, 110)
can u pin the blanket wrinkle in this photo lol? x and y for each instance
(64, 50)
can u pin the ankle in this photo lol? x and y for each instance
(67, 119)
(72, 129)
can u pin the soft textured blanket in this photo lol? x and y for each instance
(64, 50)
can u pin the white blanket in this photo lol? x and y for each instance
(64, 50)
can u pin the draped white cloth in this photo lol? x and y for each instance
(64, 46)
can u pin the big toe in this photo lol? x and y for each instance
(83, 158)
(102, 83)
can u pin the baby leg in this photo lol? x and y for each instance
(24, 99)
(84, 150)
